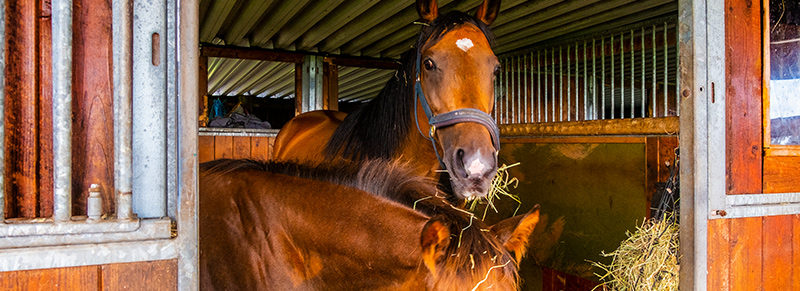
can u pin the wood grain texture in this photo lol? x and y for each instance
(259, 148)
(46, 111)
(75, 278)
(155, 275)
(719, 254)
(92, 104)
(205, 148)
(241, 147)
(781, 174)
(746, 254)
(743, 92)
(778, 248)
(795, 252)
(21, 139)
(223, 147)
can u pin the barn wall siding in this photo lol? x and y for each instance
(234, 147)
(156, 275)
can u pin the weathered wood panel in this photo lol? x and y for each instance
(46, 112)
(719, 263)
(156, 275)
(781, 174)
(241, 147)
(76, 278)
(205, 148)
(92, 145)
(743, 96)
(22, 118)
(223, 147)
(777, 244)
(261, 147)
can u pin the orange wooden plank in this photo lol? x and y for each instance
(74, 278)
(781, 174)
(45, 111)
(652, 170)
(155, 275)
(259, 148)
(795, 275)
(241, 147)
(22, 144)
(223, 147)
(719, 254)
(205, 148)
(777, 232)
(746, 257)
(743, 91)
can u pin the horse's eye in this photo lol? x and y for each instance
(429, 65)
(497, 71)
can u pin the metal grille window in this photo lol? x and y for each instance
(626, 73)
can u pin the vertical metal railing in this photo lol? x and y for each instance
(122, 24)
(62, 109)
(626, 73)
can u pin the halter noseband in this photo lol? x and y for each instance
(452, 117)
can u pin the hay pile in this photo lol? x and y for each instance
(647, 260)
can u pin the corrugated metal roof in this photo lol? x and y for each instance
(382, 29)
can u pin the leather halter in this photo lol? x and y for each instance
(452, 117)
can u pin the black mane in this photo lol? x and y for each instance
(378, 129)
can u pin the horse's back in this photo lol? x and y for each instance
(304, 137)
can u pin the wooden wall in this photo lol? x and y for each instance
(155, 275)
(29, 146)
(759, 253)
(234, 147)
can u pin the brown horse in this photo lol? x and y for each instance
(285, 226)
(449, 77)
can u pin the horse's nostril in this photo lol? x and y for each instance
(460, 163)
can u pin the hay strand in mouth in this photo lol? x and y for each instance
(500, 187)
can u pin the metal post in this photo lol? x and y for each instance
(149, 106)
(585, 84)
(655, 62)
(553, 82)
(622, 75)
(612, 77)
(644, 94)
(515, 112)
(123, 82)
(62, 109)
(603, 76)
(560, 85)
(569, 86)
(633, 76)
(594, 79)
(538, 88)
(312, 83)
(666, 65)
(525, 89)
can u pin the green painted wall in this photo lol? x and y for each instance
(590, 195)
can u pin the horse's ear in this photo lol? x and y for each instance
(514, 232)
(428, 10)
(435, 238)
(488, 11)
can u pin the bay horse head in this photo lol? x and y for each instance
(455, 73)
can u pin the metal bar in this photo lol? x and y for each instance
(655, 62)
(519, 91)
(123, 82)
(666, 65)
(633, 76)
(505, 90)
(594, 79)
(569, 87)
(585, 85)
(560, 84)
(62, 109)
(528, 93)
(2, 110)
(37, 234)
(612, 77)
(553, 82)
(149, 125)
(603, 76)
(644, 94)
(577, 92)
(538, 87)
(622, 75)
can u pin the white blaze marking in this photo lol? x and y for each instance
(464, 44)
(476, 167)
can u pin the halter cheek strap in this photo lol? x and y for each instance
(452, 117)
